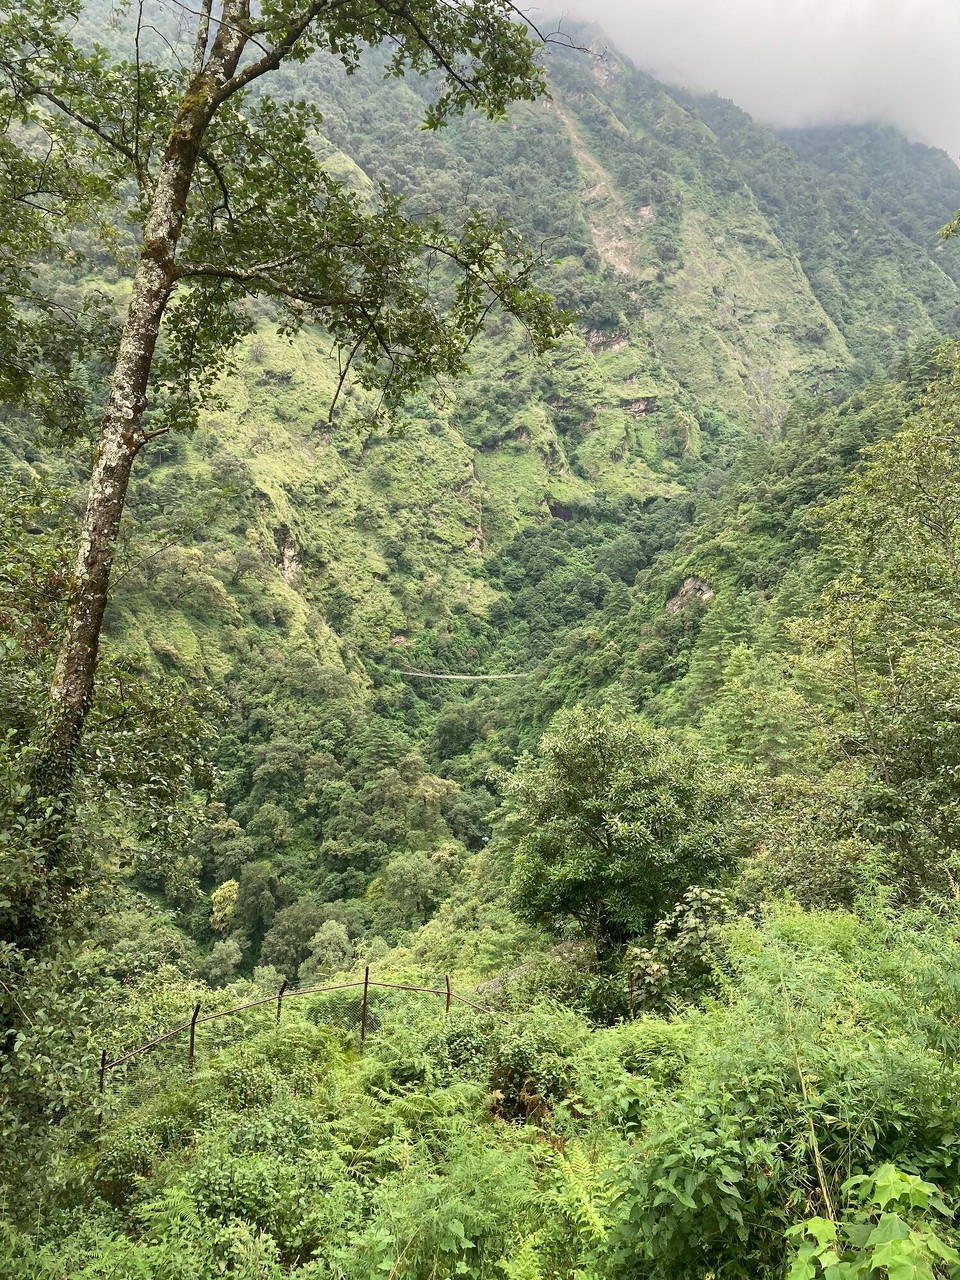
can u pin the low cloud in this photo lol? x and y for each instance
(795, 62)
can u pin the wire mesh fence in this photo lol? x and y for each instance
(356, 1009)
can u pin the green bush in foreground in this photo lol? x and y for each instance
(533, 1144)
(888, 1229)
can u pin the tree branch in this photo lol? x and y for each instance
(258, 271)
(222, 183)
(344, 370)
(203, 34)
(272, 58)
(96, 129)
(441, 60)
(223, 22)
(138, 105)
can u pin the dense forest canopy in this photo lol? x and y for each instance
(634, 417)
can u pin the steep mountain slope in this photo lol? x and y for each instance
(906, 183)
(304, 567)
(882, 286)
(715, 277)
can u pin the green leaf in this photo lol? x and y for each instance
(903, 1260)
(941, 1250)
(822, 1229)
(803, 1266)
(890, 1227)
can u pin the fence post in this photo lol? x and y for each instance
(363, 1010)
(447, 980)
(193, 1034)
(283, 987)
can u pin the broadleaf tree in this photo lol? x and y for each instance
(45, 341)
(611, 823)
(227, 198)
(882, 650)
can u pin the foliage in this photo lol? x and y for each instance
(680, 531)
(885, 637)
(874, 1238)
(685, 951)
(531, 1143)
(613, 823)
(145, 762)
(230, 245)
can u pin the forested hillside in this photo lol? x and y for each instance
(611, 678)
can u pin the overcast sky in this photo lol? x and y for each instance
(804, 61)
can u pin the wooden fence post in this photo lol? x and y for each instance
(106, 1064)
(363, 1010)
(193, 1035)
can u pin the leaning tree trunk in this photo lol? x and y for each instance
(121, 429)
(121, 435)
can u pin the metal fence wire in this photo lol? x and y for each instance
(358, 1008)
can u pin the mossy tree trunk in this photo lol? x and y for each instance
(122, 433)
(238, 203)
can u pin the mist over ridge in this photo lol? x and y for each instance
(804, 62)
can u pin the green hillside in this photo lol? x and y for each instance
(904, 182)
(698, 326)
(615, 686)
(275, 551)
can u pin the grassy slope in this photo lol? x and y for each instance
(701, 316)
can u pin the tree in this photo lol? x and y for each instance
(289, 941)
(256, 904)
(756, 719)
(144, 761)
(330, 951)
(613, 822)
(230, 200)
(411, 887)
(883, 647)
(223, 904)
(223, 961)
(43, 341)
(270, 830)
